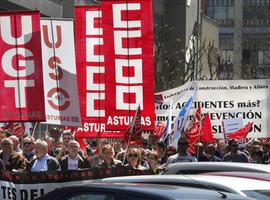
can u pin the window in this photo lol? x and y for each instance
(264, 57)
(135, 197)
(230, 12)
(226, 43)
(210, 11)
(220, 13)
(93, 196)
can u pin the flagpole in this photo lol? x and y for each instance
(125, 155)
(34, 129)
(130, 133)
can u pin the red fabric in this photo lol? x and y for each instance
(15, 128)
(91, 73)
(159, 130)
(132, 55)
(134, 131)
(194, 131)
(206, 134)
(82, 143)
(21, 86)
(241, 133)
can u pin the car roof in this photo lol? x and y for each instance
(229, 184)
(200, 167)
(169, 191)
(251, 175)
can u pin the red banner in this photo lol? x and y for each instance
(242, 132)
(206, 134)
(91, 72)
(21, 85)
(128, 50)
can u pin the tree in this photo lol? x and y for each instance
(172, 68)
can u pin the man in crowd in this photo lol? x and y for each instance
(52, 150)
(200, 153)
(11, 159)
(28, 145)
(73, 160)
(182, 153)
(16, 143)
(97, 159)
(160, 148)
(43, 161)
(67, 137)
(234, 154)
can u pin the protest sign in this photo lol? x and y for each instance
(246, 99)
(59, 70)
(31, 185)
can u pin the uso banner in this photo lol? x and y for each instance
(31, 185)
(247, 100)
(128, 50)
(59, 70)
(91, 72)
(21, 85)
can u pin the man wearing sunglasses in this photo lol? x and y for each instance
(234, 154)
(182, 153)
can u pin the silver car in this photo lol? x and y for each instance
(245, 187)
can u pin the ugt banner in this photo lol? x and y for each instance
(21, 85)
(59, 69)
(91, 72)
(128, 51)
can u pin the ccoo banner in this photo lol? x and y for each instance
(21, 85)
(91, 72)
(59, 70)
(247, 100)
(128, 51)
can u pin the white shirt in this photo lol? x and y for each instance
(40, 165)
(73, 164)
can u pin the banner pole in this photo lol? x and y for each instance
(129, 138)
(34, 129)
(131, 131)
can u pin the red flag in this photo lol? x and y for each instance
(134, 131)
(159, 129)
(241, 133)
(194, 132)
(206, 130)
(15, 128)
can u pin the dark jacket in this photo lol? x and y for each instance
(16, 161)
(113, 163)
(82, 164)
(52, 164)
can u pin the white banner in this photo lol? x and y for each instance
(11, 190)
(246, 99)
(232, 125)
(59, 70)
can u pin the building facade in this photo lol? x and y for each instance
(255, 33)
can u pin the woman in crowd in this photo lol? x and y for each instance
(256, 154)
(134, 159)
(107, 153)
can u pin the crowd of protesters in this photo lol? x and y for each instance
(64, 153)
